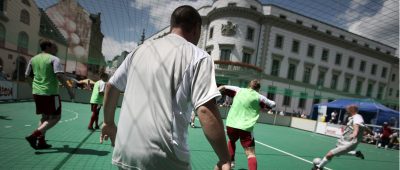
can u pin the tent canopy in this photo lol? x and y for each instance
(372, 111)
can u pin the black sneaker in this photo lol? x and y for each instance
(43, 146)
(32, 141)
(97, 127)
(359, 154)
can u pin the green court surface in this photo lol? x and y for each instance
(74, 147)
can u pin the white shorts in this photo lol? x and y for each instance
(343, 147)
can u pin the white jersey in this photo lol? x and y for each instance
(163, 80)
(354, 120)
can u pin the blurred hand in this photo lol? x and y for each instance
(108, 131)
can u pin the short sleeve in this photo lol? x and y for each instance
(28, 71)
(57, 67)
(102, 86)
(204, 87)
(358, 120)
(120, 77)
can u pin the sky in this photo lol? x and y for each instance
(123, 21)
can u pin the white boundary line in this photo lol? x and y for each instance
(74, 118)
(287, 153)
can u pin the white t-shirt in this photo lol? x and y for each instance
(356, 119)
(163, 80)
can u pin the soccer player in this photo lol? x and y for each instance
(352, 135)
(97, 100)
(46, 71)
(242, 117)
(163, 80)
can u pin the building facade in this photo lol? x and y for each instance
(301, 61)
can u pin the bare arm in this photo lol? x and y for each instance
(356, 129)
(109, 129)
(61, 77)
(214, 130)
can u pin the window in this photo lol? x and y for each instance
(334, 81)
(317, 99)
(299, 22)
(393, 77)
(383, 73)
(390, 91)
(279, 41)
(209, 52)
(253, 7)
(23, 40)
(291, 71)
(26, 2)
(388, 53)
(295, 46)
(310, 50)
(325, 55)
(377, 49)
(271, 92)
(362, 66)
(328, 32)
(24, 17)
(282, 16)
(314, 27)
(338, 59)
(211, 33)
(342, 37)
(354, 41)
(275, 67)
(302, 100)
(2, 5)
(321, 78)
(225, 54)
(373, 69)
(287, 98)
(369, 89)
(350, 62)
(366, 45)
(2, 35)
(231, 4)
(10, 56)
(380, 92)
(246, 58)
(307, 74)
(397, 93)
(250, 33)
(359, 86)
(347, 83)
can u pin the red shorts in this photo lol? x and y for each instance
(246, 138)
(48, 105)
(95, 107)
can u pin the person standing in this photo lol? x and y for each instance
(352, 136)
(242, 117)
(96, 100)
(163, 80)
(44, 71)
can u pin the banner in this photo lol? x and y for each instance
(7, 91)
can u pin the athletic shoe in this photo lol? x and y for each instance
(359, 154)
(315, 167)
(97, 127)
(32, 141)
(232, 164)
(192, 125)
(43, 146)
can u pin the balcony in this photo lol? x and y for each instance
(236, 68)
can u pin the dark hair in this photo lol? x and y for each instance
(104, 75)
(185, 17)
(255, 84)
(46, 44)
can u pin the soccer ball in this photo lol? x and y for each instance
(316, 161)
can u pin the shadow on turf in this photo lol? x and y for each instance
(67, 149)
(4, 117)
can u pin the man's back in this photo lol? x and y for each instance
(164, 77)
(44, 81)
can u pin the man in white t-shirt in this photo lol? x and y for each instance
(352, 135)
(164, 80)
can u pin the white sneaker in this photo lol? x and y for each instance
(232, 164)
(192, 125)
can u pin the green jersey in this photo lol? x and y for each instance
(97, 98)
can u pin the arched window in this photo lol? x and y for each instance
(2, 35)
(23, 42)
(24, 17)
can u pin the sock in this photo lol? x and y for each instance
(36, 133)
(352, 153)
(323, 162)
(231, 148)
(92, 119)
(96, 118)
(252, 163)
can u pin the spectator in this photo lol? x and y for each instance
(385, 136)
(333, 117)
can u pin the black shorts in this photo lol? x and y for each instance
(48, 105)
